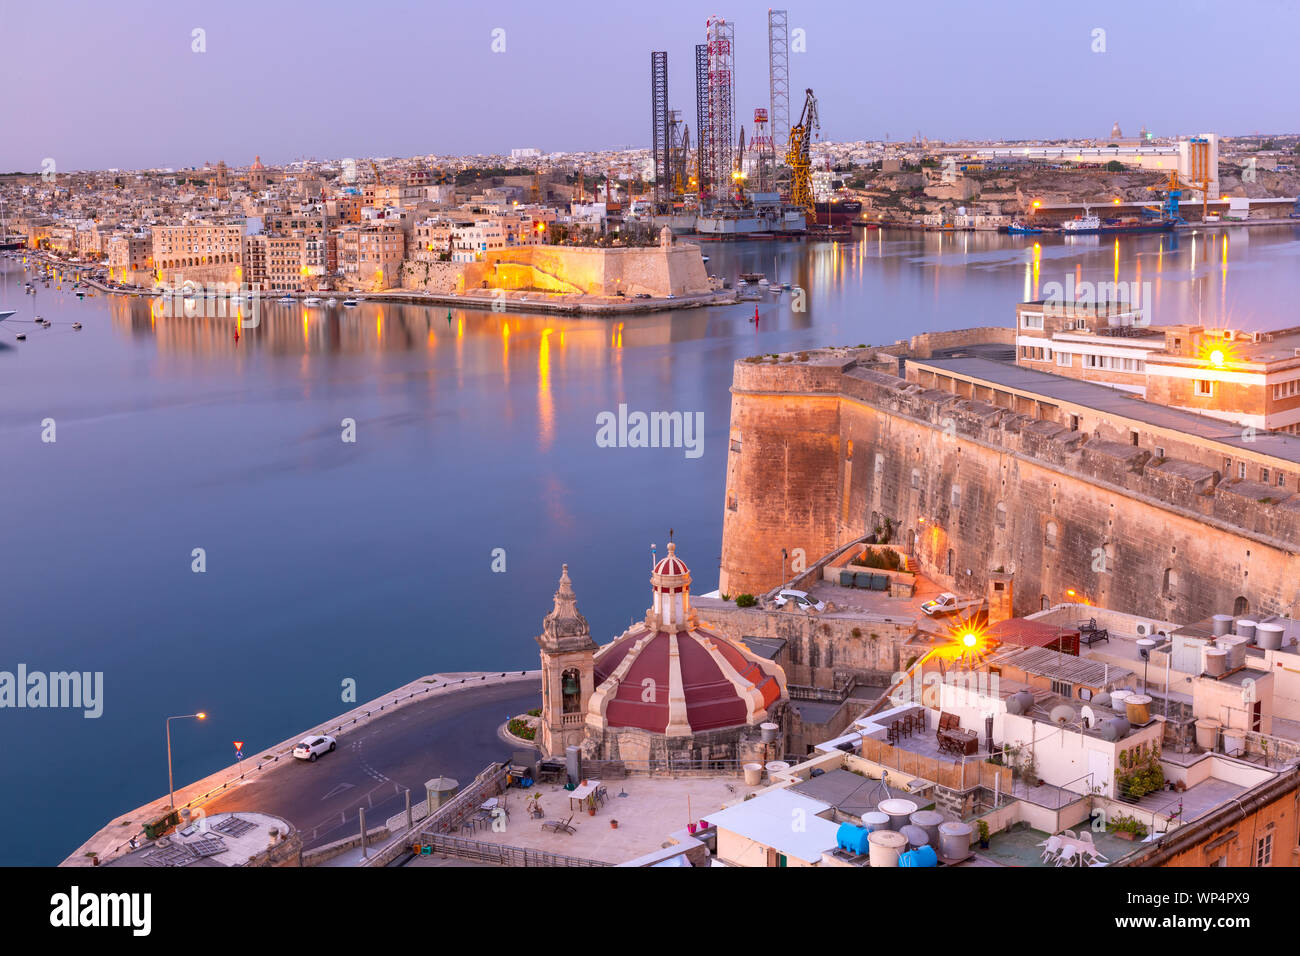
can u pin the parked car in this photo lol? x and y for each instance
(945, 603)
(309, 748)
(643, 295)
(800, 599)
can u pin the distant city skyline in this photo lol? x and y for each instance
(96, 87)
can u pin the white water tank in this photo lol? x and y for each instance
(1246, 629)
(1235, 647)
(1222, 624)
(886, 845)
(954, 840)
(900, 812)
(1117, 698)
(1269, 636)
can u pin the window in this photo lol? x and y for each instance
(1281, 483)
(1133, 437)
(1227, 466)
(1064, 358)
(1204, 387)
(916, 478)
(1241, 470)
(1263, 476)
(1160, 452)
(1033, 321)
(1062, 688)
(956, 496)
(1264, 850)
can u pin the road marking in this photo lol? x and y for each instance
(337, 790)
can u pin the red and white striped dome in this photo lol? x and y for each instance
(671, 565)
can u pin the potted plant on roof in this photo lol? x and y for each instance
(983, 828)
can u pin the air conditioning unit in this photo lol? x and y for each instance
(1229, 335)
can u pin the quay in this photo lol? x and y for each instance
(263, 782)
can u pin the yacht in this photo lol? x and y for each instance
(311, 300)
(350, 303)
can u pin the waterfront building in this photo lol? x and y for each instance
(201, 251)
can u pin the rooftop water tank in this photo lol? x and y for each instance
(1216, 661)
(900, 812)
(921, 856)
(1222, 624)
(1020, 702)
(852, 839)
(928, 820)
(1269, 636)
(1116, 728)
(1117, 698)
(1138, 707)
(1246, 629)
(886, 845)
(1102, 699)
(915, 836)
(954, 840)
(875, 820)
(769, 730)
(1235, 646)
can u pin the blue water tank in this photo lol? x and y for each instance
(921, 856)
(852, 839)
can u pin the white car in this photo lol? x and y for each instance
(309, 748)
(800, 599)
(945, 603)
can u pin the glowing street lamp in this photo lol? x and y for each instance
(171, 791)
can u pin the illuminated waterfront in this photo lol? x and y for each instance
(329, 560)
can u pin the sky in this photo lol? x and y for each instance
(96, 85)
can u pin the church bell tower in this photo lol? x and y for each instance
(567, 672)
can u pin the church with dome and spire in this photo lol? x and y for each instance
(668, 688)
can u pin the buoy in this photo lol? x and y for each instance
(756, 313)
(449, 316)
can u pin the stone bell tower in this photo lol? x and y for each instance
(567, 672)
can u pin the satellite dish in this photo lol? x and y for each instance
(1062, 714)
(1089, 718)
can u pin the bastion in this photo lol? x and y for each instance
(976, 466)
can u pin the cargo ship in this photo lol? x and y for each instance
(837, 212)
(1090, 225)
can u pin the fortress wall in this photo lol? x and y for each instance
(1097, 516)
(655, 270)
(443, 277)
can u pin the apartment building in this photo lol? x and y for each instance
(201, 251)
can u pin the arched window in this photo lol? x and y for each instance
(1000, 515)
(1170, 586)
(571, 689)
(1051, 534)
(1240, 606)
(1045, 604)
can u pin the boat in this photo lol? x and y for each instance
(311, 300)
(6, 313)
(1090, 225)
(1018, 228)
(350, 303)
(752, 277)
(76, 325)
(288, 299)
(21, 336)
(331, 301)
(837, 212)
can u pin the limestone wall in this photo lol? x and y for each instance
(974, 486)
(441, 277)
(658, 271)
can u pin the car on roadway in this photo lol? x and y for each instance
(800, 599)
(309, 748)
(643, 295)
(945, 603)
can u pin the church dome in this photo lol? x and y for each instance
(671, 676)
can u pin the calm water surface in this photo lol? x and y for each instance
(373, 561)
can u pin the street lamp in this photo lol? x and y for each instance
(171, 790)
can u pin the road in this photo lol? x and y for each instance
(453, 735)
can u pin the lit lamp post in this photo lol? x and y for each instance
(171, 791)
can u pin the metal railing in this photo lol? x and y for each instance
(501, 854)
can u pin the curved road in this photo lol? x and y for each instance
(453, 735)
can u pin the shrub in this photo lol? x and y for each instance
(535, 712)
(746, 600)
(520, 728)
(882, 559)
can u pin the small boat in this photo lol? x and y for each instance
(288, 299)
(350, 303)
(1018, 228)
(76, 325)
(46, 323)
(331, 302)
(311, 300)
(21, 336)
(785, 287)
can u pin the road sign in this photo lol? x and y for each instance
(239, 750)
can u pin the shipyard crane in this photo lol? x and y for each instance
(1173, 190)
(379, 180)
(799, 157)
(738, 174)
